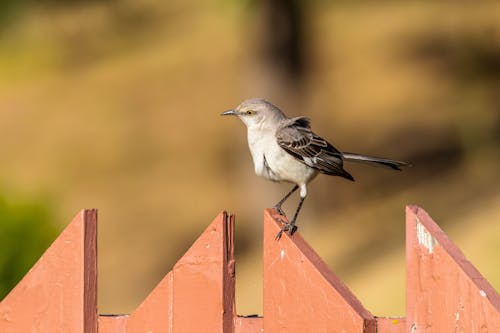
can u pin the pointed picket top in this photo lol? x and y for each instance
(203, 281)
(300, 293)
(198, 294)
(445, 292)
(154, 313)
(58, 294)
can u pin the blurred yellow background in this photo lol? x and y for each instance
(115, 105)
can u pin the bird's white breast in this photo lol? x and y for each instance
(273, 162)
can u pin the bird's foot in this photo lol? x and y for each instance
(287, 227)
(279, 210)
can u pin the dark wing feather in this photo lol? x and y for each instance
(296, 138)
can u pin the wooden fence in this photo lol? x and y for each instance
(444, 292)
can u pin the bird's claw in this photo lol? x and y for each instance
(279, 210)
(287, 227)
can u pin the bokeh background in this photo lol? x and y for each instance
(115, 105)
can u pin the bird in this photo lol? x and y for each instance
(286, 149)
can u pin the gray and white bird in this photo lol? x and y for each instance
(287, 150)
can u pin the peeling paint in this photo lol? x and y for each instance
(282, 254)
(482, 293)
(424, 237)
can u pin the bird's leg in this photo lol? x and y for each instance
(278, 205)
(290, 227)
(293, 228)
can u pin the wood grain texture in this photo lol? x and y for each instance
(90, 271)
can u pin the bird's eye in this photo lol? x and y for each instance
(250, 112)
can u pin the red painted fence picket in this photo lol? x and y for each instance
(445, 293)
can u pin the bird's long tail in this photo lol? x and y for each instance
(375, 161)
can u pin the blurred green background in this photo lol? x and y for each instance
(115, 105)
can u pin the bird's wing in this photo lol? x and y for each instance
(295, 137)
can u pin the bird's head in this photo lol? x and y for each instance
(256, 112)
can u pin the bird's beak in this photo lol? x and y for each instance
(229, 113)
